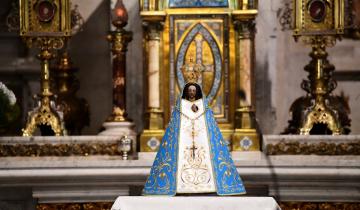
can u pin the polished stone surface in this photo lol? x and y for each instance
(103, 178)
(194, 203)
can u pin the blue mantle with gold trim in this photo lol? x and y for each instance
(162, 179)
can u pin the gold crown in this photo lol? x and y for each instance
(192, 71)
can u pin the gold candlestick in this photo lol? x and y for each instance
(320, 85)
(119, 40)
(45, 24)
(76, 110)
(46, 113)
(318, 23)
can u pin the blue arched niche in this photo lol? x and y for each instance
(199, 28)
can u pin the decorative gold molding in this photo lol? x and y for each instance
(153, 16)
(74, 206)
(71, 149)
(244, 15)
(321, 148)
(318, 206)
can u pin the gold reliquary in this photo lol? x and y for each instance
(318, 17)
(43, 18)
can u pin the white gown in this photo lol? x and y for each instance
(195, 172)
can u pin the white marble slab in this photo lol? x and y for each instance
(103, 178)
(194, 203)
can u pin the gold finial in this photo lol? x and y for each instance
(192, 71)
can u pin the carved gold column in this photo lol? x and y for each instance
(245, 137)
(154, 125)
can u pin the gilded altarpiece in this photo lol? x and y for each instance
(201, 40)
(194, 33)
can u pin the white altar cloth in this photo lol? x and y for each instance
(194, 203)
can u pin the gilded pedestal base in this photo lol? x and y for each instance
(324, 115)
(151, 137)
(246, 137)
(155, 119)
(44, 115)
(150, 140)
(245, 140)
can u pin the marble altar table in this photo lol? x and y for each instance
(194, 203)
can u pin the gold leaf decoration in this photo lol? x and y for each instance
(71, 149)
(318, 206)
(321, 148)
(75, 206)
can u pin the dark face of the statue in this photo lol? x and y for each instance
(192, 92)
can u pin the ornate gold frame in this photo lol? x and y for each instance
(333, 23)
(157, 12)
(59, 27)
